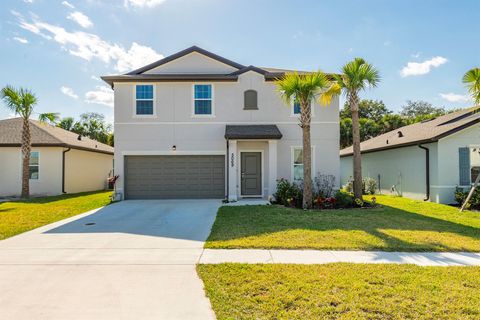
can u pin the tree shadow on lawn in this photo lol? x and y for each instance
(234, 223)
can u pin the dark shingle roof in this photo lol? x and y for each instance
(259, 131)
(47, 135)
(421, 132)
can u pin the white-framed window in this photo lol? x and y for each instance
(297, 163)
(34, 165)
(203, 100)
(144, 100)
(474, 163)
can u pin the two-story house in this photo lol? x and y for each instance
(197, 125)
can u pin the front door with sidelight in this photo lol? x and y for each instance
(251, 173)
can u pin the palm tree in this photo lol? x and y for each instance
(305, 89)
(22, 102)
(357, 75)
(472, 80)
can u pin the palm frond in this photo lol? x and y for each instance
(472, 80)
(21, 101)
(49, 117)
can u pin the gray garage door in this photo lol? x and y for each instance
(174, 177)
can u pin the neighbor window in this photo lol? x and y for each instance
(469, 165)
(474, 164)
(33, 165)
(144, 99)
(202, 99)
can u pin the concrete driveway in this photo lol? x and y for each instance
(129, 260)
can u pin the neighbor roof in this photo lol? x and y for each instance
(138, 75)
(259, 131)
(420, 132)
(46, 135)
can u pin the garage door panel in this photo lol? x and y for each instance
(174, 177)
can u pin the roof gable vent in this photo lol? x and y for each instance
(79, 138)
(400, 134)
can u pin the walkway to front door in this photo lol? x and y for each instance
(251, 173)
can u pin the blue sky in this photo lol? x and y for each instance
(60, 48)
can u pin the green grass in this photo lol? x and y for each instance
(400, 224)
(20, 216)
(342, 291)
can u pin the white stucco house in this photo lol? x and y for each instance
(197, 125)
(60, 161)
(425, 160)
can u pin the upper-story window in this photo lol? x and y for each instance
(297, 109)
(144, 99)
(202, 100)
(33, 165)
(250, 100)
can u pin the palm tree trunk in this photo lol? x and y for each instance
(305, 119)
(26, 148)
(357, 157)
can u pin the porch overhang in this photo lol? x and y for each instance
(252, 132)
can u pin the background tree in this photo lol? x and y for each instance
(472, 80)
(421, 109)
(369, 109)
(22, 102)
(356, 76)
(305, 89)
(91, 124)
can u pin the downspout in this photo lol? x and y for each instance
(227, 168)
(427, 172)
(63, 169)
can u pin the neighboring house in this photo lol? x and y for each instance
(60, 161)
(425, 160)
(197, 125)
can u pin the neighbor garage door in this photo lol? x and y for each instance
(174, 177)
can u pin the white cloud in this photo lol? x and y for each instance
(28, 1)
(95, 78)
(102, 95)
(416, 55)
(454, 97)
(89, 46)
(69, 92)
(81, 19)
(419, 68)
(142, 3)
(68, 4)
(21, 40)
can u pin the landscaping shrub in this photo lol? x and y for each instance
(461, 196)
(289, 193)
(324, 185)
(344, 199)
(369, 186)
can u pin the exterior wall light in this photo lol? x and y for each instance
(174, 148)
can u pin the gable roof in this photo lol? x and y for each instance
(184, 53)
(46, 135)
(420, 132)
(139, 75)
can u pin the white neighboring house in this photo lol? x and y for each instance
(425, 160)
(197, 125)
(60, 160)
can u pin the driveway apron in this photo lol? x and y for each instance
(130, 260)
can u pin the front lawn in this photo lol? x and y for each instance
(342, 291)
(400, 224)
(20, 216)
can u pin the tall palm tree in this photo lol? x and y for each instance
(357, 75)
(472, 80)
(22, 102)
(305, 89)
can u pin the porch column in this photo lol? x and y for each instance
(232, 170)
(272, 167)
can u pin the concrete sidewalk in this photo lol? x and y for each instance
(214, 256)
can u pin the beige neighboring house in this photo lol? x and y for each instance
(425, 160)
(60, 162)
(198, 125)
